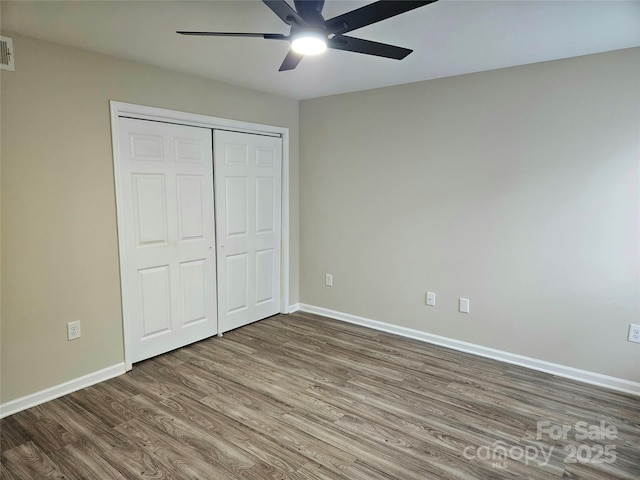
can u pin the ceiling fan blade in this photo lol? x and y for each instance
(287, 14)
(268, 36)
(291, 61)
(358, 45)
(371, 13)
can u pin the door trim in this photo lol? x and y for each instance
(141, 112)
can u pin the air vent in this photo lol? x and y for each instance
(6, 53)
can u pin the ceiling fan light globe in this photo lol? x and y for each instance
(309, 44)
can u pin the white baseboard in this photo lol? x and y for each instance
(19, 404)
(293, 308)
(585, 376)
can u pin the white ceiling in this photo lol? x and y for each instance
(450, 37)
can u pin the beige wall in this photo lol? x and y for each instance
(516, 188)
(59, 239)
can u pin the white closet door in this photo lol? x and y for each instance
(168, 257)
(248, 225)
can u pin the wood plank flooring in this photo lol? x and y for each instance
(305, 397)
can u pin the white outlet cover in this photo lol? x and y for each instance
(463, 305)
(430, 299)
(73, 330)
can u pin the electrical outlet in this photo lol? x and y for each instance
(634, 333)
(73, 330)
(430, 299)
(463, 305)
(328, 280)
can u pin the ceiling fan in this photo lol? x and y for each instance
(311, 34)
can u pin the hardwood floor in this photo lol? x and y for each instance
(305, 397)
